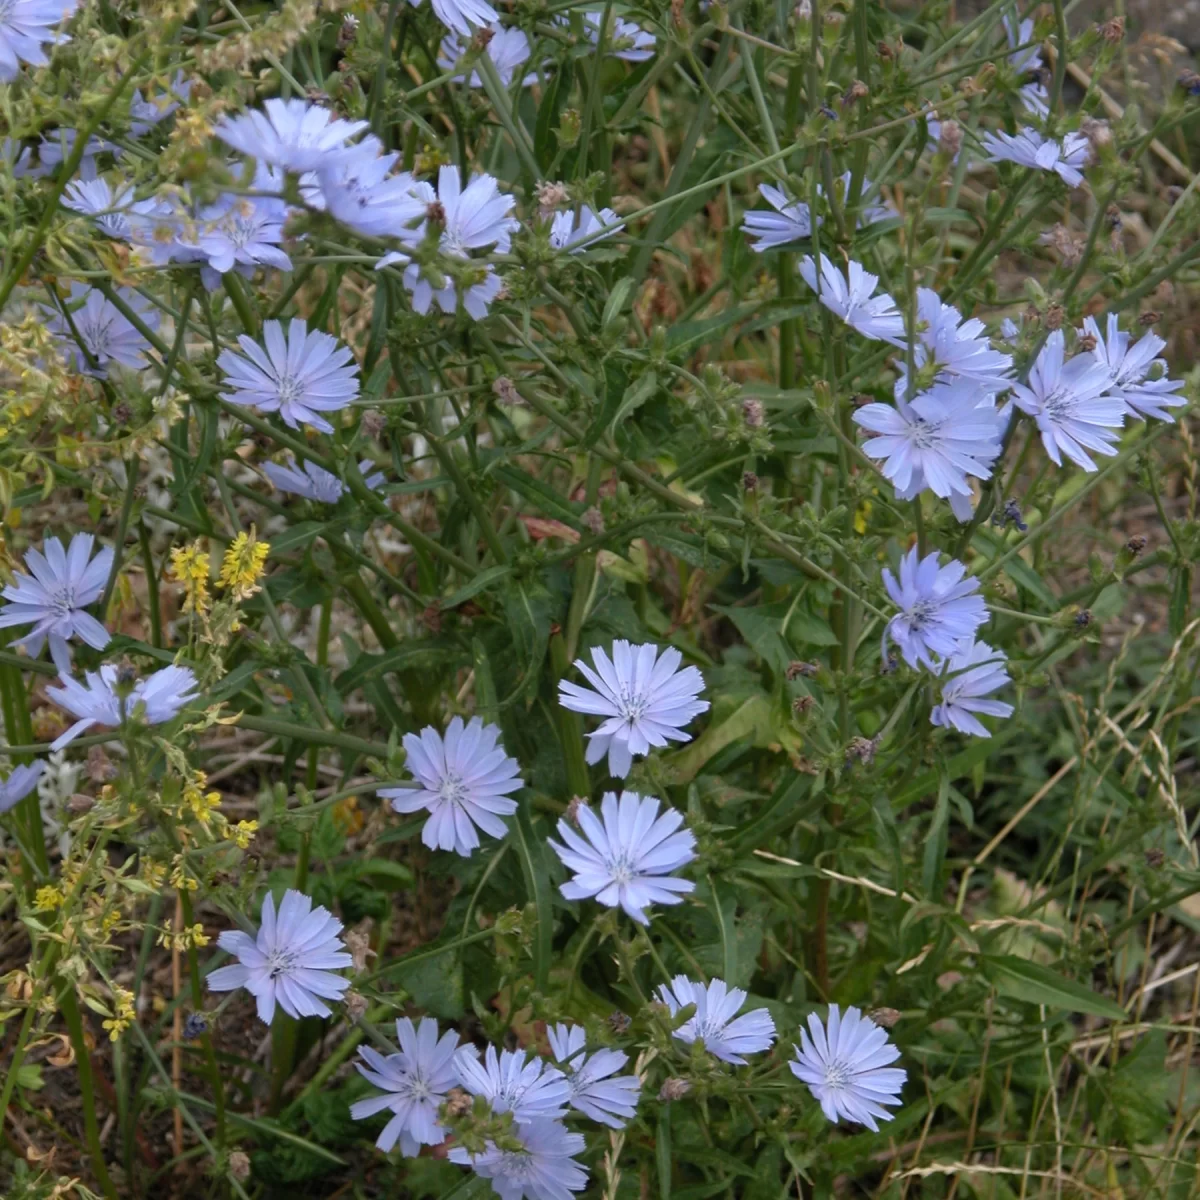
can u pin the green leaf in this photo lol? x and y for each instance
(1036, 984)
(662, 1152)
(792, 802)
(754, 718)
(545, 499)
(296, 536)
(29, 1077)
(960, 765)
(436, 984)
(635, 396)
(400, 658)
(804, 627)
(480, 583)
(762, 628)
(531, 851)
(1018, 570)
(616, 301)
(527, 609)
(935, 840)
(692, 550)
(1181, 600)
(724, 909)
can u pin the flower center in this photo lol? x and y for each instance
(62, 599)
(453, 789)
(632, 705)
(96, 335)
(837, 1076)
(243, 230)
(924, 434)
(418, 1089)
(280, 962)
(921, 613)
(517, 1166)
(290, 389)
(452, 243)
(621, 867)
(1058, 403)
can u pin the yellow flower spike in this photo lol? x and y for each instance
(243, 565)
(190, 566)
(47, 899)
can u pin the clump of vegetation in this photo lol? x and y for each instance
(599, 600)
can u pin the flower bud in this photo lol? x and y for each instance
(797, 668)
(373, 423)
(855, 92)
(885, 1018)
(619, 1023)
(753, 412)
(239, 1166)
(506, 391)
(1098, 133)
(551, 196)
(674, 1089)
(950, 138)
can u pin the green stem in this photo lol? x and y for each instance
(465, 491)
(152, 601)
(210, 1057)
(18, 729)
(310, 735)
(132, 468)
(65, 174)
(68, 1003)
(570, 733)
(241, 303)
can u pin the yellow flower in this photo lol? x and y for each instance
(203, 804)
(243, 565)
(115, 1026)
(179, 876)
(860, 517)
(197, 936)
(47, 899)
(190, 565)
(123, 1015)
(242, 832)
